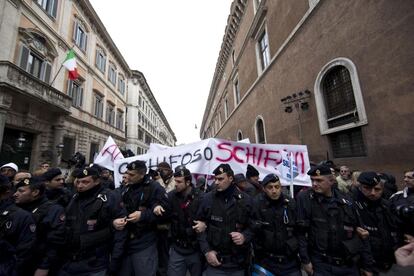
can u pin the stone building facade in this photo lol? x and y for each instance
(44, 116)
(146, 122)
(334, 75)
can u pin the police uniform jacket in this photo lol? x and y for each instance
(384, 237)
(143, 197)
(225, 212)
(92, 242)
(328, 228)
(274, 224)
(17, 238)
(402, 204)
(50, 234)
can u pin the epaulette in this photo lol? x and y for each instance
(397, 193)
(346, 202)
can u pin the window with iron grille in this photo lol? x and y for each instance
(339, 97)
(348, 143)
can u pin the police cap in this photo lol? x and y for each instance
(223, 168)
(370, 179)
(320, 170)
(181, 171)
(51, 173)
(29, 181)
(270, 178)
(81, 173)
(137, 165)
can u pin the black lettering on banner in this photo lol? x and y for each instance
(198, 154)
(173, 161)
(189, 161)
(122, 168)
(207, 149)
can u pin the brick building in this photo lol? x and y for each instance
(334, 75)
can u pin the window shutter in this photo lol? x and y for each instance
(80, 99)
(47, 70)
(84, 42)
(54, 7)
(97, 59)
(24, 56)
(75, 30)
(70, 88)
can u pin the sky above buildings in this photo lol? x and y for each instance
(175, 43)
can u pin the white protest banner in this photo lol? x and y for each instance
(204, 156)
(108, 154)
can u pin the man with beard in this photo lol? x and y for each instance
(184, 201)
(378, 225)
(275, 242)
(227, 213)
(17, 233)
(49, 218)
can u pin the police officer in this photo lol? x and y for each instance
(402, 204)
(17, 233)
(55, 187)
(93, 246)
(378, 224)
(49, 218)
(275, 242)
(253, 183)
(140, 197)
(227, 214)
(184, 201)
(328, 241)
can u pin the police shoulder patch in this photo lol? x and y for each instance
(32, 227)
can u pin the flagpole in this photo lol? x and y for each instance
(61, 65)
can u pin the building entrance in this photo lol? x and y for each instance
(16, 148)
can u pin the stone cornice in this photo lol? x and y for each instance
(100, 28)
(233, 21)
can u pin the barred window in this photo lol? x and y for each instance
(348, 143)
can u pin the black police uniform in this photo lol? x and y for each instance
(141, 251)
(225, 212)
(275, 242)
(17, 239)
(93, 246)
(327, 231)
(376, 217)
(185, 252)
(61, 196)
(50, 235)
(402, 204)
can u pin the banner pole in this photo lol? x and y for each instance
(291, 173)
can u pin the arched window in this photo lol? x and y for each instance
(340, 107)
(260, 131)
(239, 135)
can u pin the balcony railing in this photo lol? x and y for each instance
(24, 83)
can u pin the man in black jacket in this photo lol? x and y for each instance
(327, 223)
(274, 222)
(49, 218)
(227, 213)
(17, 233)
(94, 247)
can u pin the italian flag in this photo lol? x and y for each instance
(70, 64)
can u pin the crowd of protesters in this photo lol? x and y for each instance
(162, 222)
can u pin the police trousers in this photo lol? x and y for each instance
(179, 264)
(144, 262)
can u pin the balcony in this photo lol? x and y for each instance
(20, 83)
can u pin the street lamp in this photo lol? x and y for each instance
(300, 102)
